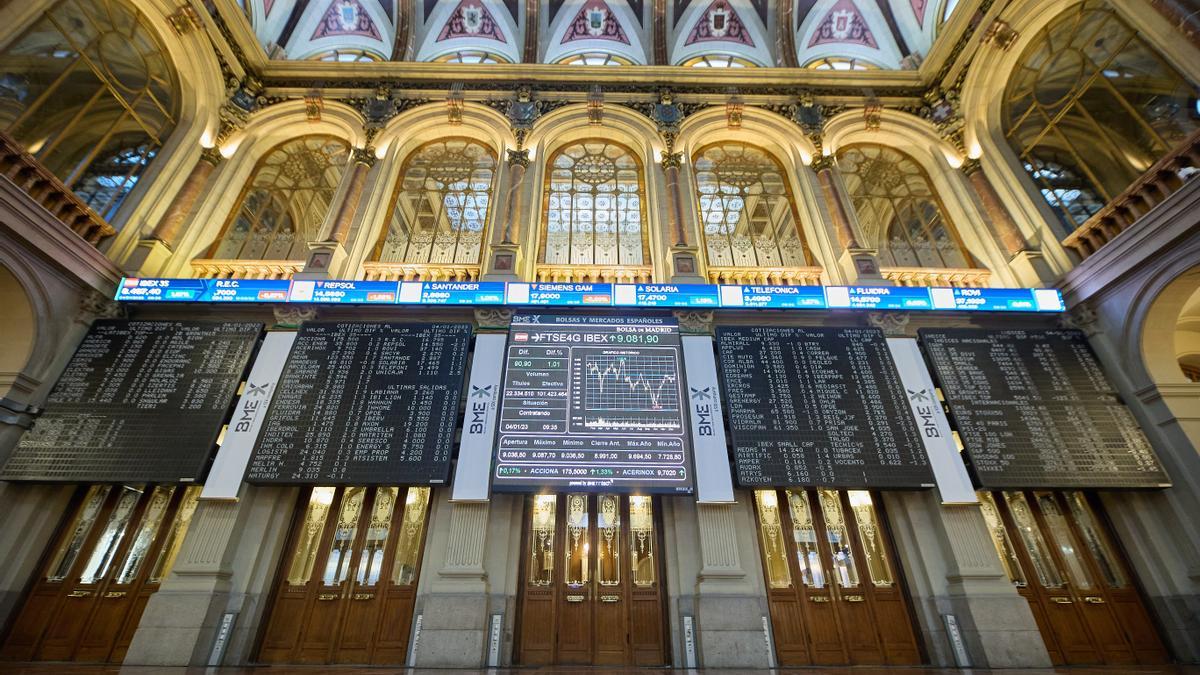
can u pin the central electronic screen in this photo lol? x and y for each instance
(593, 402)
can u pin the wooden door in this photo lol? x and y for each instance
(591, 583)
(118, 546)
(1078, 584)
(347, 587)
(831, 587)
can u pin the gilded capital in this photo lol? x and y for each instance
(364, 156)
(518, 158)
(672, 160)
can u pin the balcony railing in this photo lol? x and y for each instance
(46, 189)
(388, 271)
(246, 269)
(1156, 184)
(765, 276)
(932, 276)
(594, 274)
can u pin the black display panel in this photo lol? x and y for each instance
(364, 404)
(1034, 410)
(818, 406)
(139, 402)
(593, 402)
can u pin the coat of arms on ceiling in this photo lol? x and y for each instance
(595, 21)
(471, 19)
(346, 17)
(844, 23)
(720, 23)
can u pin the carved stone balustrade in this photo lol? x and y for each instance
(1156, 184)
(246, 269)
(765, 276)
(389, 271)
(594, 274)
(46, 189)
(937, 276)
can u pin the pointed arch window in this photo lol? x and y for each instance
(441, 205)
(594, 207)
(89, 90)
(284, 204)
(898, 211)
(1090, 107)
(746, 208)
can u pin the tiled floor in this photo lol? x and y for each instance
(74, 669)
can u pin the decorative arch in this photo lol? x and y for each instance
(899, 212)
(1089, 107)
(98, 130)
(747, 209)
(284, 203)
(440, 205)
(594, 206)
(940, 162)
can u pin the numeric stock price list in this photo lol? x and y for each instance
(1034, 410)
(818, 406)
(365, 404)
(140, 401)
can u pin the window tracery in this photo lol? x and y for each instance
(285, 201)
(594, 207)
(441, 205)
(89, 90)
(1091, 107)
(898, 211)
(746, 208)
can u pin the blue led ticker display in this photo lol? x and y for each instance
(521, 294)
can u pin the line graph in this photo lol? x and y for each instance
(631, 383)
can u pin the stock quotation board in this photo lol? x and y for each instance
(818, 406)
(364, 404)
(593, 402)
(139, 402)
(1034, 410)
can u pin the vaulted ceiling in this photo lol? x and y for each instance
(822, 34)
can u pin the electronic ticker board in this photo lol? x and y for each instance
(1034, 409)
(139, 402)
(593, 402)
(364, 404)
(818, 406)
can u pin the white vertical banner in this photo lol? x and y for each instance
(472, 477)
(953, 481)
(714, 483)
(229, 467)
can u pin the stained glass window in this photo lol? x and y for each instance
(441, 204)
(1091, 107)
(594, 207)
(89, 90)
(898, 211)
(746, 208)
(284, 204)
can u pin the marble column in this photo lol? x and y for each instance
(361, 161)
(168, 229)
(684, 267)
(1005, 227)
(503, 264)
(823, 165)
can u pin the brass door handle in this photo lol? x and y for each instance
(819, 598)
(325, 597)
(610, 598)
(854, 598)
(363, 596)
(79, 594)
(575, 598)
(1094, 600)
(1061, 600)
(115, 594)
